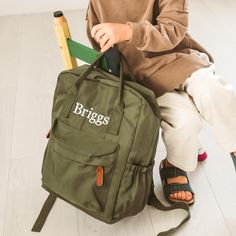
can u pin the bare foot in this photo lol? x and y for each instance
(181, 195)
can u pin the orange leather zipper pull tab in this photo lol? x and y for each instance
(99, 179)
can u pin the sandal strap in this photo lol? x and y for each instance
(175, 187)
(170, 172)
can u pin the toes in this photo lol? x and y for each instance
(188, 196)
(179, 195)
(182, 195)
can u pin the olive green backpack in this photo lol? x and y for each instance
(102, 145)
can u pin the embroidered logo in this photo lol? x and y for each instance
(93, 117)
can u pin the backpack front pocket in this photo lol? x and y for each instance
(79, 167)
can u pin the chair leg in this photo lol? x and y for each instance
(63, 33)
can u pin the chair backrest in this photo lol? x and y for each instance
(70, 49)
(84, 53)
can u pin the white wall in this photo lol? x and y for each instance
(16, 7)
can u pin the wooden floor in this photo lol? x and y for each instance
(29, 64)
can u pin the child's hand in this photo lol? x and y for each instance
(108, 34)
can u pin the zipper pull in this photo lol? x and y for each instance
(99, 178)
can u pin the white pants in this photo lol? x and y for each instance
(204, 96)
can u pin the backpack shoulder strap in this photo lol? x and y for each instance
(154, 201)
(47, 206)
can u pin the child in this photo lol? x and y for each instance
(152, 35)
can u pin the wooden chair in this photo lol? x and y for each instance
(70, 49)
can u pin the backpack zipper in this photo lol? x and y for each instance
(99, 176)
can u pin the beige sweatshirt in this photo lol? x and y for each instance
(161, 54)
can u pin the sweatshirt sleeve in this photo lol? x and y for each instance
(169, 30)
(92, 20)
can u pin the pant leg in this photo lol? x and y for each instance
(215, 99)
(181, 124)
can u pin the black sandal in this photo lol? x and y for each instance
(233, 159)
(171, 172)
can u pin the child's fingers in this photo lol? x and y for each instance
(99, 34)
(108, 45)
(104, 40)
(95, 29)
